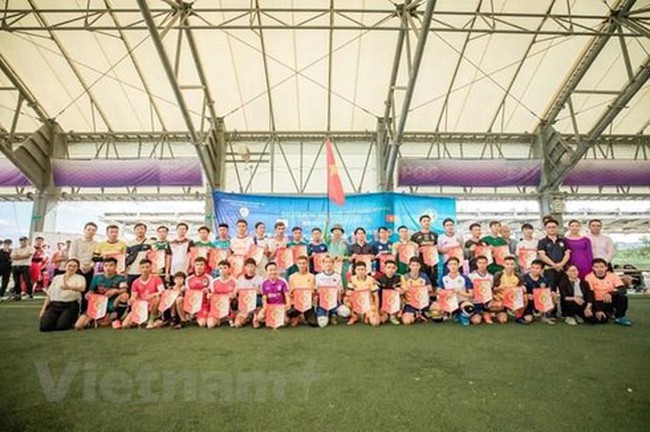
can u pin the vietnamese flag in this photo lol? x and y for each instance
(334, 187)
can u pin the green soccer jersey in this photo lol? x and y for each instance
(494, 268)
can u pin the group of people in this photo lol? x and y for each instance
(274, 280)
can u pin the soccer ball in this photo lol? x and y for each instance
(343, 311)
(322, 321)
(467, 310)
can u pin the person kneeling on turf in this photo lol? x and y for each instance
(61, 306)
(328, 279)
(412, 284)
(146, 287)
(199, 281)
(532, 280)
(302, 283)
(462, 286)
(507, 278)
(250, 280)
(113, 286)
(172, 315)
(361, 284)
(481, 278)
(274, 292)
(388, 281)
(224, 285)
(609, 298)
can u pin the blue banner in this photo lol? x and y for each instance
(369, 211)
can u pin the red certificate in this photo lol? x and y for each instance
(513, 298)
(447, 300)
(429, 255)
(500, 253)
(157, 258)
(382, 261)
(526, 257)
(482, 290)
(236, 265)
(219, 306)
(318, 261)
(246, 300)
(361, 302)
(543, 300)
(167, 299)
(284, 258)
(328, 297)
(302, 299)
(485, 251)
(97, 304)
(216, 256)
(192, 301)
(256, 252)
(390, 301)
(140, 311)
(456, 252)
(406, 251)
(274, 316)
(298, 251)
(418, 297)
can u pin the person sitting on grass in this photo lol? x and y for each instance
(61, 307)
(274, 291)
(328, 278)
(573, 296)
(609, 298)
(147, 287)
(223, 285)
(462, 285)
(507, 278)
(200, 281)
(113, 286)
(532, 280)
(250, 280)
(301, 280)
(479, 277)
(359, 283)
(172, 315)
(389, 280)
(412, 282)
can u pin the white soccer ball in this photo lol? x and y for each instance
(322, 321)
(343, 311)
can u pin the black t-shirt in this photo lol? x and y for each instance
(357, 249)
(554, 249)
(421, 238)
(5, 258)
(392, 282)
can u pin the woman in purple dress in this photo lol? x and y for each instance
(580, 247)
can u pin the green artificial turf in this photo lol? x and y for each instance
(427, 377)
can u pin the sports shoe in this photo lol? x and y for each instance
(394, 320)
(549, 321)
(570, 321)
(623, 321)
(334, 320)
(463, 320)
(579, 319)
(521, 321)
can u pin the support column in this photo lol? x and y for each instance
(44, 211)
(380, 154)
(552, 204)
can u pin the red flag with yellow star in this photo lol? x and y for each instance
(334, 187)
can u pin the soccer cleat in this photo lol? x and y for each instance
(521, 321)
(463, 320)
(334, 320)
(623, 321)
(549, 321)
(570, 321)
(394, 320)
(579, 319)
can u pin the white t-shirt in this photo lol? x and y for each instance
(328, 280)
(241, 245)
(446, 241)
(254, 282)
(527, 244)
(180, 250)
(27, 250)
(56, 292)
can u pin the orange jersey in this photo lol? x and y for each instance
(602, 286)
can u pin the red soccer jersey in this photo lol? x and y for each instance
(142, 289)
(196, 282)
(223, 286)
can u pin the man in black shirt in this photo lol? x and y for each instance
(554, 253)
(389, 280)
(5, 266)
(360, 246)
(426, 237)
(471, 243)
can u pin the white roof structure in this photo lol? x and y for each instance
(278, 75)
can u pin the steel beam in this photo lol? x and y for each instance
(208, 168)
(396, 139)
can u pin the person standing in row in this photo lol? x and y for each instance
(580, 247)
(21, 259)
(602, 245)
(136, 251)
(426, 237)
(82, 249)
(5, 267)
